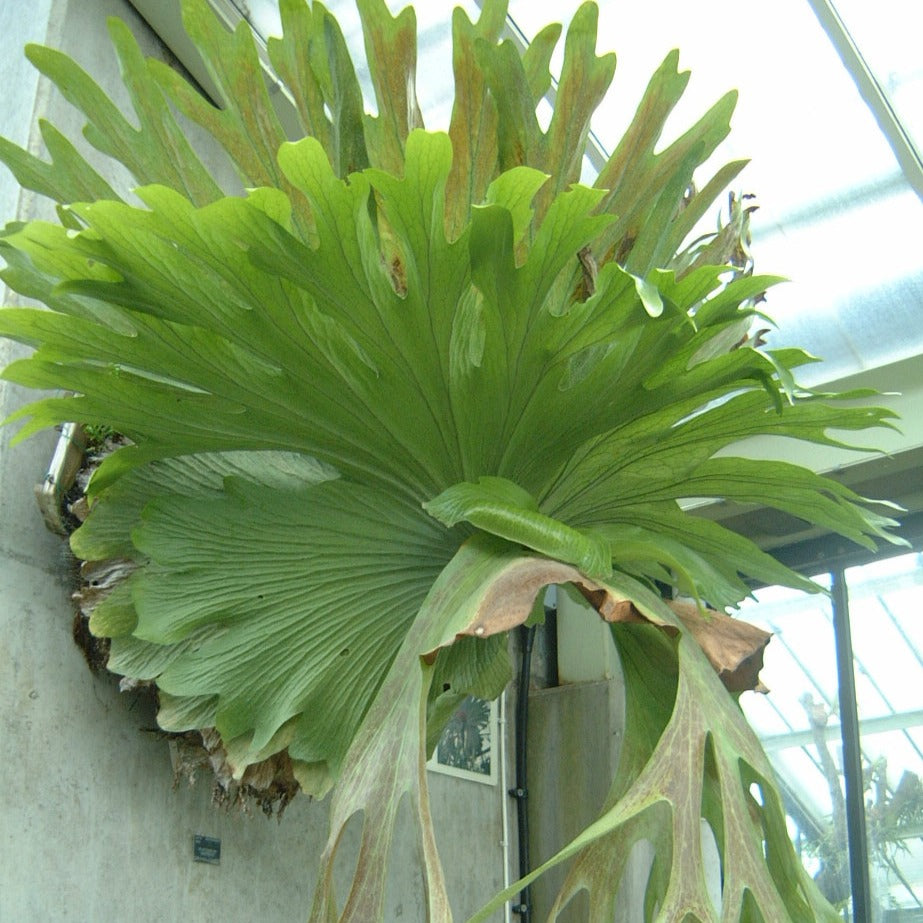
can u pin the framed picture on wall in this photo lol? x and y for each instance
(468, 745)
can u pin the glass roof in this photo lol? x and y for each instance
(888, 35)
(836, 215)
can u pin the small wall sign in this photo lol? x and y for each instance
(206, 849)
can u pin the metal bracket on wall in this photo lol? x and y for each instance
(62, 472)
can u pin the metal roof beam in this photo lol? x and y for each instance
(871, 91)
(899, 721)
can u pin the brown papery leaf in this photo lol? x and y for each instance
(733, 647)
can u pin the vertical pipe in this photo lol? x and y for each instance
(852, 756)
(504, 813)
(521, 791)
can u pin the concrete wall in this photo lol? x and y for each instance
(92, 828)
(572, 753)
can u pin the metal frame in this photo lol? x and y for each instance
(850, 729)
(870, 89)
(857, 836)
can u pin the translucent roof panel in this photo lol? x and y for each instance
(888, 34)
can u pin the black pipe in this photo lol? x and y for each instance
(521, 791)
(852, 754)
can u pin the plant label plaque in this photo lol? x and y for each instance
(206, 849)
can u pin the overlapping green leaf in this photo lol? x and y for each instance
(67, 178)
(267, 630)
(312, 60)
(473, 128)
(501, 508)
(157, 151)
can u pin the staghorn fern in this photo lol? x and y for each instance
(403, 382)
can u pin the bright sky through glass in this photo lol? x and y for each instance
(889, 32)
(834, 211)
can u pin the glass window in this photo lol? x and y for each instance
(799, 725)
(887, 633)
